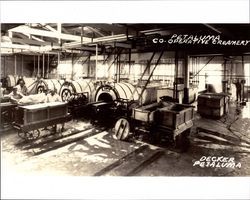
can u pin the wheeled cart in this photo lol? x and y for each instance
(173, 119)
(29, 119)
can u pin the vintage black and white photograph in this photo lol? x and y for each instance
(125, 99)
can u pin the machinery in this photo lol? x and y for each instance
(30, 83)
(121, 106)
(48, 84)
(78, 94)
(107, 97)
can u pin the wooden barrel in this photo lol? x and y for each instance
(123, 90)
(81, 86)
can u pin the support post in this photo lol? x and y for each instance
(96, 61)
(175, 93)
(72, 65)
(4, 66)
(129, 60)
(58, 61)
(59, 30)
(34, 65)
(22, 66)
(47, 74)
(15, 67)
(38, 66)
(186, 79)
(43, 66)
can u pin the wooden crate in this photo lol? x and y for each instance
(145, 113)
(211, 101)
(213, 104)
(174, 116)
(41, 112)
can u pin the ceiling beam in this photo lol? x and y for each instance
(213, 28)
(112, 38)
(32, 31)
(34, 42)
(96, 31)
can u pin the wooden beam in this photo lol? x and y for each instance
(32, 31)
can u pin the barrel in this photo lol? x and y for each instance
(123, 90)
(80, 86)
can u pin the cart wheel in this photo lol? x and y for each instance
(122, 129)
(22, 135)
(31, 135)
(182, 142)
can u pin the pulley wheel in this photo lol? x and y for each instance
(122, 129)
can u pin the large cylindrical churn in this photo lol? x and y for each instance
(29, 82)
(123, 90)
(48, 84)
(82, 86)
(11, 80)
